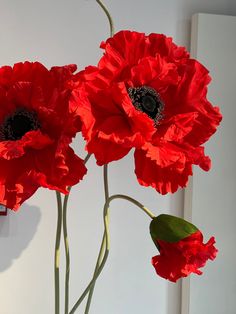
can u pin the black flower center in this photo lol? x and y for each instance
(147, 100)
(18, 124)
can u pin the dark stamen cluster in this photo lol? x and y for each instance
(147, 100)
(16, 125)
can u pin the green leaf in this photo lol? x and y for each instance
(170, 228)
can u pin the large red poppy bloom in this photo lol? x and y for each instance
(36, 128)
(181, 258)
(146, 93)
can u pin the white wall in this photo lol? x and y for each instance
(57, 33)
(215, 193)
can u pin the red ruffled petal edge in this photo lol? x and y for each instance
(15, 149)
(20, 178)
(13, 196)
(106, 151)
(167, 167)
(179, 259)
(67, 169)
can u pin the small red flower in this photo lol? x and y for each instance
(36, 127)
(147, 94)
(179, 259)
(181, 247)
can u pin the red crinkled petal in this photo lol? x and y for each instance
(164, 46)
(153, 72)
(125, 47)
(34, 72)
(17, 182)
(21, 177)
(62, 170)
(110, 120)
(81, 106)
(179, 259)
(106, 151)
(167, 167)
(165, 155)
(13, 196)
(177, 127)
(63, 74)
(190, 96)
(164, 180)
(16, 149)
(5, 75)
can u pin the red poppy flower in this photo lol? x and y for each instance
(36, 128)
(181, 248)
(146, 93)
(179, 259)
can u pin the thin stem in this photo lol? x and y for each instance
(66, 244)
(102, 247)
(108, 16)
(105, 182)
(132, 200)
(107, 240)
(87, 158)
(57, 254)
(104, 259)
(105, 179)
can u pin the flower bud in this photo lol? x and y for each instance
(181, 247)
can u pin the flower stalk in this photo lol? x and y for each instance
(102, 248)
(105, 180)
(106, 243)
(57, 254)
(66, 244)
(67, 252)
(111, 23)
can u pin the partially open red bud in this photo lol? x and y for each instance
(181, 247)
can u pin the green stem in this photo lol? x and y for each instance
(87, 158)
(106, 190)
(66, 244)
(102, 247)
(107, 245)
(57, 254)
(132, 200)
(105, 182)
(108, 16)
(107, 240)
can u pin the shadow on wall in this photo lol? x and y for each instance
(16, 232)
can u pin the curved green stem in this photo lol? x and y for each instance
(108, 16)
(103, 261)
(132, 200)
(102, 247)
(106, 239)
(57, 254)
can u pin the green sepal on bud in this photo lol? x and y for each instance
(170, 228)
